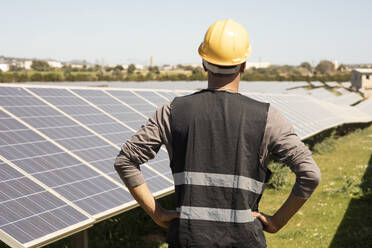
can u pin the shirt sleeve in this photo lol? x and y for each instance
(143, 146)
(283, 143)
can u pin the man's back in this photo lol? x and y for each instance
(216, 137)
(218, 142)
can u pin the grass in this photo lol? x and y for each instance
(339, 214)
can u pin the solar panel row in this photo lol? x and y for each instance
(57, 137)
(64, 140)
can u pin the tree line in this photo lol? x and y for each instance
(42, 72)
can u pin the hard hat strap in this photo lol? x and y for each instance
(218, 70)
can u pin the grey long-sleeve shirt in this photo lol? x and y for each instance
(279, 139)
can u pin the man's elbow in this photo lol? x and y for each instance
(315, 177)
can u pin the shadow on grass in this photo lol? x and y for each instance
(355, 229)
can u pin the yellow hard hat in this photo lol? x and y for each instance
(226, 43)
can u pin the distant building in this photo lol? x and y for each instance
(55, 64)
(257, 65)
(139, 67)
(361, 79)
(4, 67)
(77, 66)
(27, 64)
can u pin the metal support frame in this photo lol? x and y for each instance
(79, 240)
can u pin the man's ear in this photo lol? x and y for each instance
(242, 67)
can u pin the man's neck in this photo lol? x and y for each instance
(226, 82)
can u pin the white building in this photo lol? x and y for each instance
(361, 79)
(4, 67)
(27, 64)
(139, 67)
(54, 64)
(76, 66)
(257, 65)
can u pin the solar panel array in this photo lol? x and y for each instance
(310, 116)
(58, 145)
(62, 144)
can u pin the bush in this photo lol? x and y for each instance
(279, 177)
(36, 77)
(52, 77)
(327, 144)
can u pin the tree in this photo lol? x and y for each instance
(325, 67)
(40, 65)
(307, 66)
(119, 67)
(131, 68)
(154, 69)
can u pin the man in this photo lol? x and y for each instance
(218, 142)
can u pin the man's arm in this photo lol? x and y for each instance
(160, 216)
(285, 145)
(139, 149)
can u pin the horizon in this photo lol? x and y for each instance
(286, 33)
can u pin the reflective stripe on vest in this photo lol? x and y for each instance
(216, 214)
(219, 180)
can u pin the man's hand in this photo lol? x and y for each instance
(273, 224)
(143, 196)
(164, 217)
(268, 222)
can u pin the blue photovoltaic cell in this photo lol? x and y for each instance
(87, 115)
(105, 126)
(113, 107)
(63, 130)
(306, 115)
(134, 101)
(57, 169)
(169, 95)
(152, 97)
(118, 110)
(366, 106)
(28, 211)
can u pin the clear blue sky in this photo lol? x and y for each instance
(281, 32)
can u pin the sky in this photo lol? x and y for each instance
(123, 32)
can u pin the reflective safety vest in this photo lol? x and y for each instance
(216, 140)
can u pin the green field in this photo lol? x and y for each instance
(339, 214)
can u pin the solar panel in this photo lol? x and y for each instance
(153, 97)
(332, 84)
(342, 91)
(317, 84)
(57, 169)
(366, 106)
(97, 152)
(321, 93)
(29, 212)
(346, 99)
(298, 91)
(168, 95)
(310, 116)
(346, 84)
(64, 140)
